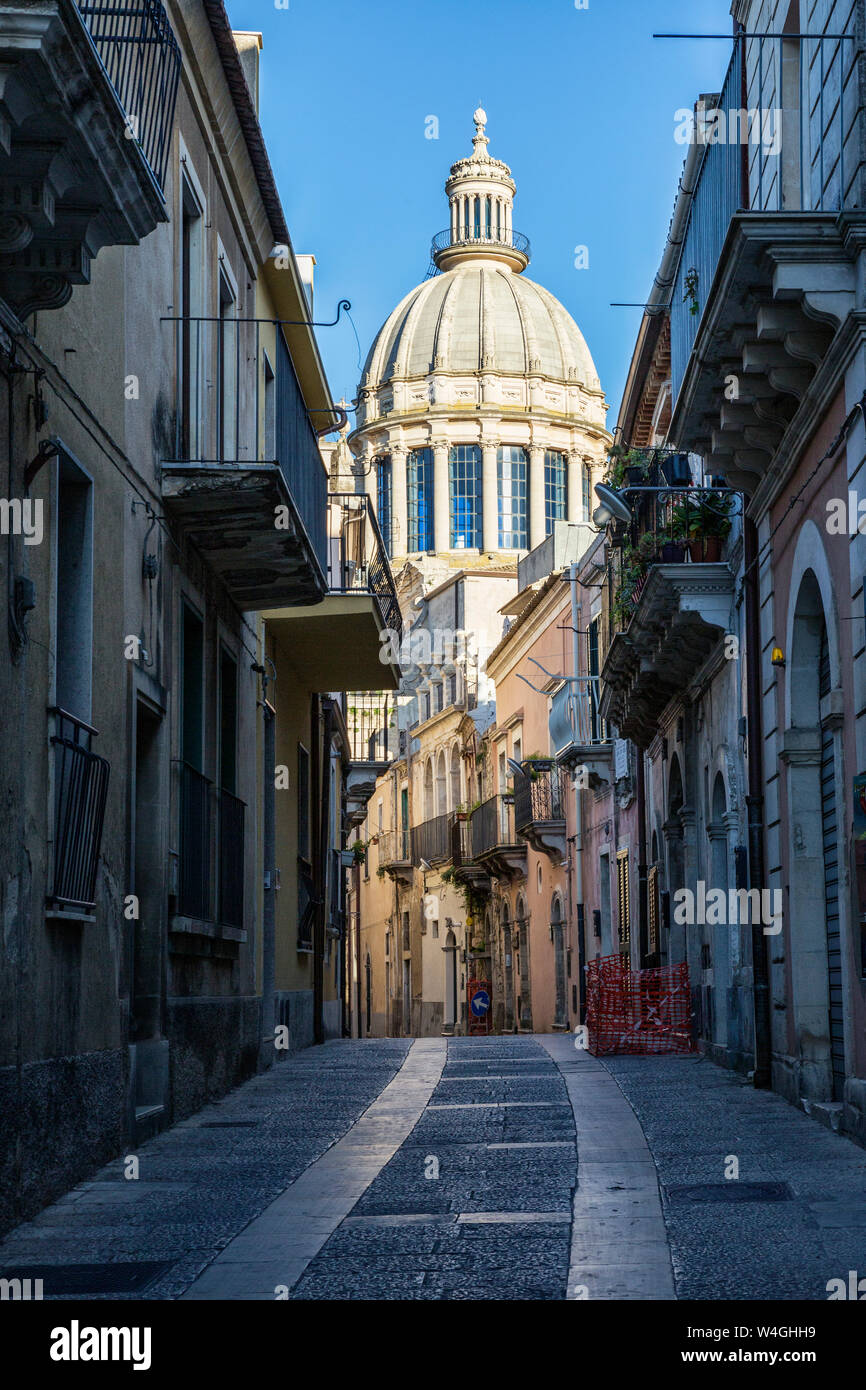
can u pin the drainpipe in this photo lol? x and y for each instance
(578, 814)
(268, 865)
(755, 800)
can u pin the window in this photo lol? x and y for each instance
(452, 689)
(192, 690)
(227, 374)
(228, 721)
(383, 499)
(303, 803)
(419, 499)
(586, 482)
(191, 309)
(270, 389)
(511, 478)
(74, 634)
(465, 480)
(623, 901)
(653, 910)
(555, 488)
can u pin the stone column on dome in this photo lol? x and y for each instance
(537, 519)
(399, 512)
(489, 495)
(441, 496)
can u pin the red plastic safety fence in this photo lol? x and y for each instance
(638, 1011)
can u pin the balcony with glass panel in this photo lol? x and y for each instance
(767, 271)
(86, 114)
(579, 736)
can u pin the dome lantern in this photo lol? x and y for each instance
(480, 193)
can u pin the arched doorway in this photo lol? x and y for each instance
(428, 790)
(524, 998)
(720, 939)
(441, 785)
(813, 818)
(508, 971)
(674, 857)
(449, 951)
(557, 928)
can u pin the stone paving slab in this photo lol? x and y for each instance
(198, 1186)
(696, 1116)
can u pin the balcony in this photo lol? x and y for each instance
(394, 854)
(245, 481)
(349, 640)
(466, 869)
(578, 734)
(494, 845)
(371, 727)
(86, 115)
(80, 794)
(767, 273)
(539, 808)
(448, 248)
(431, 840)
(670, 600)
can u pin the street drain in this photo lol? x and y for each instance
(731, 1192)
(229, 1124)
(123, 1277)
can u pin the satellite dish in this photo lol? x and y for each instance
(425, 866)
(516, 768)
(612, 502)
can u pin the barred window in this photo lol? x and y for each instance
(419, 499)
(555, 488)
(511, 478)
(383, 499)
(465, 479)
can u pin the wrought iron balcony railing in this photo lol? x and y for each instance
(776, 141)
(575, 721)
(670, 526)
(372, 726)
(194, 892)
(81, 790)
(539, 798)
(141, 57)
(431, 840)
(229, 412)
(492, 825)
(232, 815)
(357, 560)
(506, 237)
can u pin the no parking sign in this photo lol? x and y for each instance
(478, 992)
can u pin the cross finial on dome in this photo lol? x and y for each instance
(480, 140)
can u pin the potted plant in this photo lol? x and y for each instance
(359, 850)
(676, 470)
(709, 525)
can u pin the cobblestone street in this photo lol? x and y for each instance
(501, 1168)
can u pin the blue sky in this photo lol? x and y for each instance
(580, 103)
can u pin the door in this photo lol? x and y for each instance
(829, 829)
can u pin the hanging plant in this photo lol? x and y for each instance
(691, 285)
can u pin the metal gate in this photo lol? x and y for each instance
(829, 828)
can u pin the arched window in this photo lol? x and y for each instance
(464, 468)
(555, 488)
(428, 790)
(456, 791)
(511, 469)
(419, 500)
(441, 786)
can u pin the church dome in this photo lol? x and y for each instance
(480, 316)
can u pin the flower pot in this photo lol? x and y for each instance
(673, 553)
(676, 470)
(706, 549)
